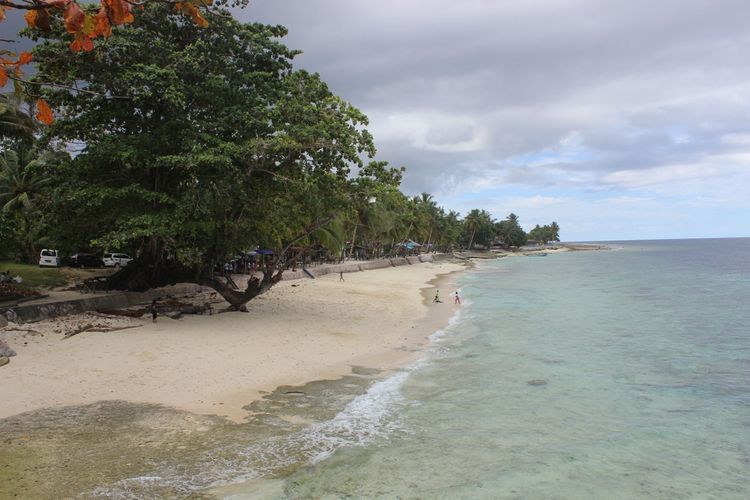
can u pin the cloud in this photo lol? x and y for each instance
(578, 100)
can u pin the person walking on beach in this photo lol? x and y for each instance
(154, 311)
(437, 296)
(457, 300)
(341, 276)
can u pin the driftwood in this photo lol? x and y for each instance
(97, 328)
(111, 329)
(71, 333)
(14, 329)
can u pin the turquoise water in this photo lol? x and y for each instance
(639, 363)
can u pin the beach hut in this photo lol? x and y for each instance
(407, 247)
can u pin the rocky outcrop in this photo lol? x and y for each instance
(6, 351)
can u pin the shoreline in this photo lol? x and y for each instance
(300, 331)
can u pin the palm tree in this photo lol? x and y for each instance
(555, 231)
(14, 123)
(473, 222)
(21, 182)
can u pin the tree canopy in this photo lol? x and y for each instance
(192, 144)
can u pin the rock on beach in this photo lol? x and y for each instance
(6, 351)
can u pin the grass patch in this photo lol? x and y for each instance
(34, 276)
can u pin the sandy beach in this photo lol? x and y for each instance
(300, 331)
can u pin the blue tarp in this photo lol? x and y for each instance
(409, 245)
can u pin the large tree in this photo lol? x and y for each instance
(511, 232)
(198, 144)
(478, 228)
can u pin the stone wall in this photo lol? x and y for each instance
(27, 313)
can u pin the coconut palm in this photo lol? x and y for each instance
(21, 184)
(14, 123)
(20, 179)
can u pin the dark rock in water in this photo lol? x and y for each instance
(4, 361)
(537, 381)
(6, 351)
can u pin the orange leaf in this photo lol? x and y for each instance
(74, 18)
(2, 12)
(101, 23)
(30, 17)
(81, 43)
(87, 44)
(191, 10)
(38, 18)
(25, 58)
(119, 11)
(43, 112)
(3, 76)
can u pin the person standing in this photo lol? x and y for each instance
(457, 300)
(341, 276)
(437, 296)
(154, 311)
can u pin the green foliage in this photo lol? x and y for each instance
(199, 143)
(510, 231)
(196, 144)
(23, 183)
(478, 228)
(546, 233)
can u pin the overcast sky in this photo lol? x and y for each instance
(618, 120)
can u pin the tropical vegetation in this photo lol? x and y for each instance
(187, 145)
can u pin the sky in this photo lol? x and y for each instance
(617, 120)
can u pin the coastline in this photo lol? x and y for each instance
(300, 331)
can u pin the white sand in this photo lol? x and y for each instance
(298, 332)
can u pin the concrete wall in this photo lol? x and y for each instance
(375, 264)
(27, 313)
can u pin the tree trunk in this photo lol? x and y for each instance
(238, 298)
(354, 238)
(471, 241)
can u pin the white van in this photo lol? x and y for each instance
(49, 258)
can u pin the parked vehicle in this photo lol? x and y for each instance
(85, 260)
(116, 259)
(49, 258)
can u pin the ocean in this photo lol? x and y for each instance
(599, 374)
(622, 373)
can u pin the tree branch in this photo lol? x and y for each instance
(66, 87)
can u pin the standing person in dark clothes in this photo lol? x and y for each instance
(154, 311)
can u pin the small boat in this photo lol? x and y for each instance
(536, 254)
